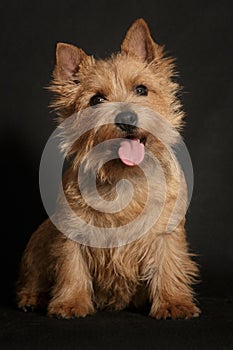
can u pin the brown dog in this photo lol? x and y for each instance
(74, 279)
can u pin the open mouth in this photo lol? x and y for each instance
(132, 150)
(138, 139)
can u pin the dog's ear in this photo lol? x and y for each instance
(139, 42)
(68, 59)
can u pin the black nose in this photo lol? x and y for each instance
(126, 121)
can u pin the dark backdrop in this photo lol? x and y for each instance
(198, 33)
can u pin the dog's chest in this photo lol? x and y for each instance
(115, 278)
(110, 266)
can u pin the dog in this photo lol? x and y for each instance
(74, 274)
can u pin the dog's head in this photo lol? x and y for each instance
(126, 86)
(140, 73)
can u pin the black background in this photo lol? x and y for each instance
(198, 34)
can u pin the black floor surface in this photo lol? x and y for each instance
(119, 330)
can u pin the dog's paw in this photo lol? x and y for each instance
(28, 301)
(71, 308)
(175, 311)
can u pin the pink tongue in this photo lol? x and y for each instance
(131, 152)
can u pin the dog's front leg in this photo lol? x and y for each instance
(170, 290)
(72, 290)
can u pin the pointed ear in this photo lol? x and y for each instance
(68, 59)
(139, 42)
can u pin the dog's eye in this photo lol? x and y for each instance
(96, 99)
(141, 90)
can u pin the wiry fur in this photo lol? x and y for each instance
(74, 279)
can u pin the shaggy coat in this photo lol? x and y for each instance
(74, 279)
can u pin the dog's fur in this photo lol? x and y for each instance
(73, 279)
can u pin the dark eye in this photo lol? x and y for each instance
(96, 99)
(141, 90)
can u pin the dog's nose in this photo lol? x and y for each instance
(126, 121)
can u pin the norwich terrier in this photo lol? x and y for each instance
(73, 274)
